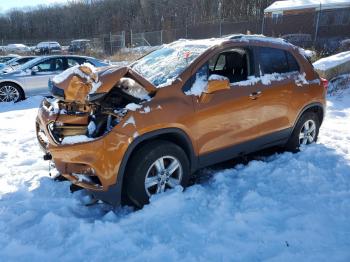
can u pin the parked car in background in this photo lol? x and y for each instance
(2, 50)
(14, 63)
(79, 46)
(32, 77)
(6, 58)
(344, 45)
(132, 132)
(17, 48)
(46, 48)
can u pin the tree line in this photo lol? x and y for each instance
(89, 18)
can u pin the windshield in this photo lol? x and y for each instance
(163, 66)
(30, 63)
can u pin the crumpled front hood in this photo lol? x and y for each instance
(85, 83)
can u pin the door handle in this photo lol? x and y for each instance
(255, 95)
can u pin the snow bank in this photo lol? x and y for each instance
(332, 61)
(279, 6)
(339, 85)
(285, 207)
(333, 66)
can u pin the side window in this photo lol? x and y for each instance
(72, 61)
(45, 66)
(220, 63)
(272, 60)
(50, 65)
(197, 82)
(59, 64)
(236, 64)
(292, 63)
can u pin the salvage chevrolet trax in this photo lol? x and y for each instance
(128, 133)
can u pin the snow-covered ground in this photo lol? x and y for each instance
(285, 207)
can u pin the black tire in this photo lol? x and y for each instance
(16, 87)
(143, 160)
(293, 143)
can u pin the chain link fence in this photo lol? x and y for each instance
(203, 30)
(319, 30)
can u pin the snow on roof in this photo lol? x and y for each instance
(332, 61)
(304, 4)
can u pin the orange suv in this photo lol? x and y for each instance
(130, 132)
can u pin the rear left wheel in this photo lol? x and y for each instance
(305, 132)
(10, 93)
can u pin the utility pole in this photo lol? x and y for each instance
(317, 24)
(220, 16)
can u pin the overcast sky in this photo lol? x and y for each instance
(8, 4)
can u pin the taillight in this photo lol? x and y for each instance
(324, 83)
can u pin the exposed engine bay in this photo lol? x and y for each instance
(92, 119)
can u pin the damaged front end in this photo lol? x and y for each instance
(75, 128)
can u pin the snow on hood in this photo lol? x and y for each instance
(85, 71)
(85, 82)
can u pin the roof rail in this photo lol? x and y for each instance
(255, 37)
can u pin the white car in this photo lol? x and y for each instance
(45, 48)
(17, 48)
(14, 63)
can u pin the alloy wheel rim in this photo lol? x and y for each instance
(307, 133)
(163, 174)
(8, 94)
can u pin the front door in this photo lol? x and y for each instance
(231, 116)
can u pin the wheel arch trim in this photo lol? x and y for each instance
(114, 193)
(306, 108)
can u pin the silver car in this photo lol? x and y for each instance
(14, 63)
(32, 77)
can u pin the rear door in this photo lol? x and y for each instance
(278, 77)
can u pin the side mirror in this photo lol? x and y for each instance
(214, 86)
(35, 70)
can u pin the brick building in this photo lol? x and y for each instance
(319, 23)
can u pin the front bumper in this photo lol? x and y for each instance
(93, 165)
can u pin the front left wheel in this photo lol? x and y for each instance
(156, 167)
(10, 92)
